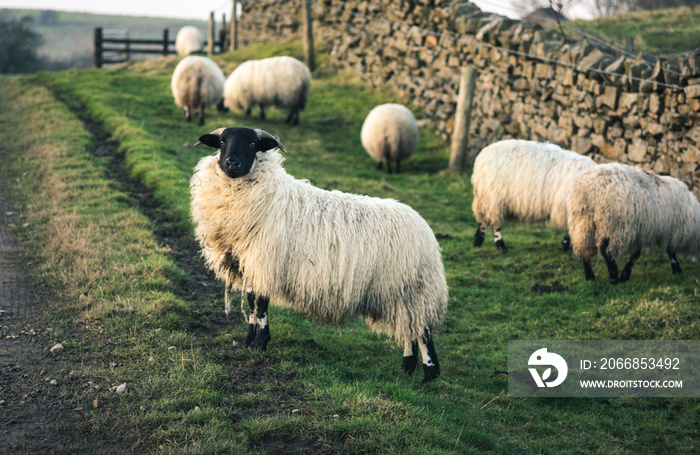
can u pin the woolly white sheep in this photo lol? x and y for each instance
(330, 255)
(197, 84)
(389, 133)
(526, 180)
(277, 81)
(189, 39)
(615, 209)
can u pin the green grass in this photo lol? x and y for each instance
(659, 32)
(346, 381)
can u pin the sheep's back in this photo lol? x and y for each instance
(392, 128)
(524, 179)
(185, 87)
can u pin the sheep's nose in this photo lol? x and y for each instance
(233, 163)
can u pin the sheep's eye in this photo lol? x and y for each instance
(252, 144)
(221, 143)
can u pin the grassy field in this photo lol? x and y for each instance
(659, 32)
(100, 178)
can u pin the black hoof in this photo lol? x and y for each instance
(478, 240)
(624, 278)
(613, 280)
(261, 339)
(430, 373)
(501, 246)
(251, 334)
(410, 363)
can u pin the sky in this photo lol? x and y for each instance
(198, 9)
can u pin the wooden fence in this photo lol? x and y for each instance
(110, 48)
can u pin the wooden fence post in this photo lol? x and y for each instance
(222, 33)
(460, 135)
(97, 48)
(629, 44)
(309, 36)
(210, 34)
(165, 42)
(234, 27)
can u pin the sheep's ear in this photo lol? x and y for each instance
(212, 139)
(268, 142)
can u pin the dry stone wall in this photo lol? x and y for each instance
(533, 83)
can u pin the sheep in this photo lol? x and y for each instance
(329, 255)
(277, 81)
(389, 133)
(527, 180)
(189, 39)
(615, 209)
(197, 84)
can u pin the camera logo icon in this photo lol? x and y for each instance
(543, 358)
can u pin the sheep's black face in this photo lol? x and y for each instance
(238, 148)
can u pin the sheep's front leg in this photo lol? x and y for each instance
(479, 235)
(262, 112)
(188, 113)
(410, 356)
(566, 242)
(498, 240)
(252, 322)
(262, 329)
(431, 365)
(675, 266)
(610, 262)
(627, 270)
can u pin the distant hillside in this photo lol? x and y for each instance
(68, 35)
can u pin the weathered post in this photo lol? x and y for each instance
(97, 48)
(460, 135)
(309, 36)
(234, 27)
(210, 34)
(629, 44)
(222, 34)
(165, 42)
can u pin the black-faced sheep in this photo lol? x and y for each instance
(197, 84)
(277, 81)
(615, 209)
(330, 255)
(389, 133)
(189, 39)
(526, 180)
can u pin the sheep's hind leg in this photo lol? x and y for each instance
(262, 112)
(610, 261)
(588, 270)
(410, 356)
(498, 240)
(252, 323)
(201, 114)
(188, 114)
(431, 364)
(566, 242)
(479, 235)
(627, 269)
(675, 266)
(262, 330)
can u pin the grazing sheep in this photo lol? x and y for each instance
(527, 180)
(390, 133)
(189, 39)
(277, 81)
(615, 209)
(331, 256)
(197, 84)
